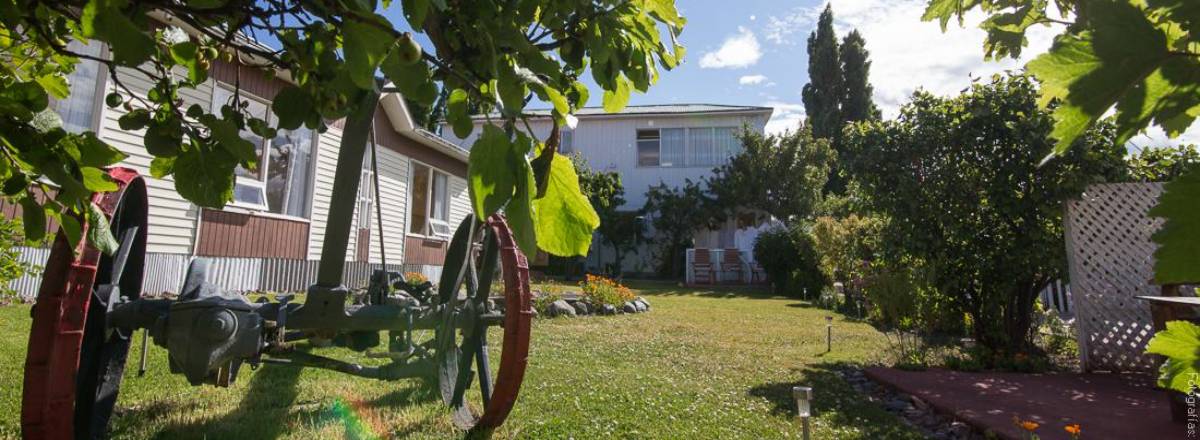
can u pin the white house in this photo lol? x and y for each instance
(271, 235)
(650, 145)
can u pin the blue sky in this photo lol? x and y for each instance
(752, 52)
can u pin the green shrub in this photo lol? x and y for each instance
(791, 263)
(11, 267)
(905, 298)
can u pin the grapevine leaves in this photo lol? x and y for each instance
(560, 222)
(1118, 61)
(1180, 344)
(1178, 247)
(565, 217)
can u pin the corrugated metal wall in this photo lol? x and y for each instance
(165, 272)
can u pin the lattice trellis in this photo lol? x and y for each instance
(1111, 260)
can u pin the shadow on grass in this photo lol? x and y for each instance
(262, 413)
(834, 401)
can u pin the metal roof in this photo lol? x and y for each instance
(655, 109)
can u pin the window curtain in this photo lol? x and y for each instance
(78, 109)
(673, 147)
(726, 144)
(703, 153)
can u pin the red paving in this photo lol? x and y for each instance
(1116, 406)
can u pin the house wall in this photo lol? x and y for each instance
(173, 220)
(609, 143)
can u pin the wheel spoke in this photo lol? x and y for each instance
(465, 376)
(485, 372)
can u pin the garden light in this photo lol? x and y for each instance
(803, 396)
(828, 334)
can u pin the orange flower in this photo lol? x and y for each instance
(1028, 425)
(1073, 429)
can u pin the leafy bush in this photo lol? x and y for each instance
(602, 291)
(905, 299)
(788, 257)
(845, 244)
(11, 266)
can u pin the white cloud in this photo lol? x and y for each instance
(749, 80)
(741, 50)
(907, 53)
(787, 116)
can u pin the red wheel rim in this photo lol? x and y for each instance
(518, 322)
(59, 318)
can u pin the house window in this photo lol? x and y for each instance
(79, 109)
(282, 181)
(566, 144)
(430, 198)
(690, 147)
(366, 194)
(647, 148)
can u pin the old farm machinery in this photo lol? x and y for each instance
(89, 305)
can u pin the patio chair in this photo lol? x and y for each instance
(731, 261)
(702, 267)
(757, 273)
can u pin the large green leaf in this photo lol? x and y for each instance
(97, 153)
(1090, 71)
(459, 114)
(565, 218)
(1179, 239)
(366, 43)
(616, 99)
(205, 176)
(33, 218)
(293, 107)
(521, 216)
(413, 79)
(105, 20)
(490, 174)
(1180, 343)
(95, 179)
(185, 54)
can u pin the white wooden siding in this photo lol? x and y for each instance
(172, 219)
(326, 165)
(460, 201)
(393, 199)
(610, 144)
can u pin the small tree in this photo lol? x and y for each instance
(960, 181)
(676, 214)
(781, 175)
(620, 230)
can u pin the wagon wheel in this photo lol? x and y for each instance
(75, 362)
(461, 335)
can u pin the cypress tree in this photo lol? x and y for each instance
(824, 89)
(856, 101)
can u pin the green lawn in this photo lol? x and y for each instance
(701, 364)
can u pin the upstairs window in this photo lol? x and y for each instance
(647, 148)
(281, 183)
(686, 147)
(430, 198)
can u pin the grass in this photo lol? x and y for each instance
(701, 364)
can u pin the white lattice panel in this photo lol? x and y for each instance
(1111, 261)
